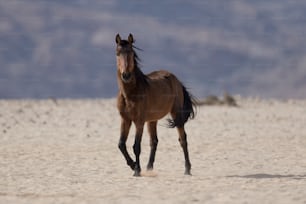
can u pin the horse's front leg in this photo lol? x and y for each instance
(125, 128)
(137, 147)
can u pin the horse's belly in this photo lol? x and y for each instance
(158, 112)
(155, 116)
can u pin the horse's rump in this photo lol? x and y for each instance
(184, 102)
(183, 112)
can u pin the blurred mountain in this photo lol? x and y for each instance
(66, 48)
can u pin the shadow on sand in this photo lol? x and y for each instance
(269, 176)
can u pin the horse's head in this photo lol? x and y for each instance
(125, 57)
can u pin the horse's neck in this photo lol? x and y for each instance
(141, 79)
(126, 89)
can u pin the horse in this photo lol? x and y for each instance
(146, 99)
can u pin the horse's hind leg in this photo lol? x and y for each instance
(153, 143)
(184, 144)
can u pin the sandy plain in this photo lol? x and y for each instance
(65, 151)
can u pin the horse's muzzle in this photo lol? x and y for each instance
(126, 77)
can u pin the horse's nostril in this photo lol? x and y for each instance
(126, 76)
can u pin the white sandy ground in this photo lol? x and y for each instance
(66, 152)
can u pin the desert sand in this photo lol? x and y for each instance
(65, 151)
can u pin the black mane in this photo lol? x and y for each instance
(141, 78)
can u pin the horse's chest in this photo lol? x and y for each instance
(132, 110)
(130, 107)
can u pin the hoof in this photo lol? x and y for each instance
(149, 167)
(187, 172)
(132, 165)
(137, 174)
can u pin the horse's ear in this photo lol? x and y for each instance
(131, 39)
(118, 38)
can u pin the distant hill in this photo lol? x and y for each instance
(65, 49)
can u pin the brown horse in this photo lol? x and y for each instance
(147, 98)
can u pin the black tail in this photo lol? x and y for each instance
(184, 113)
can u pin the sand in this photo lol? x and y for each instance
(65, 151)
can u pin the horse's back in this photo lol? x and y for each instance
(163, 80)
(159, 75)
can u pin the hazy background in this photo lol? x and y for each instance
(65, 48)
